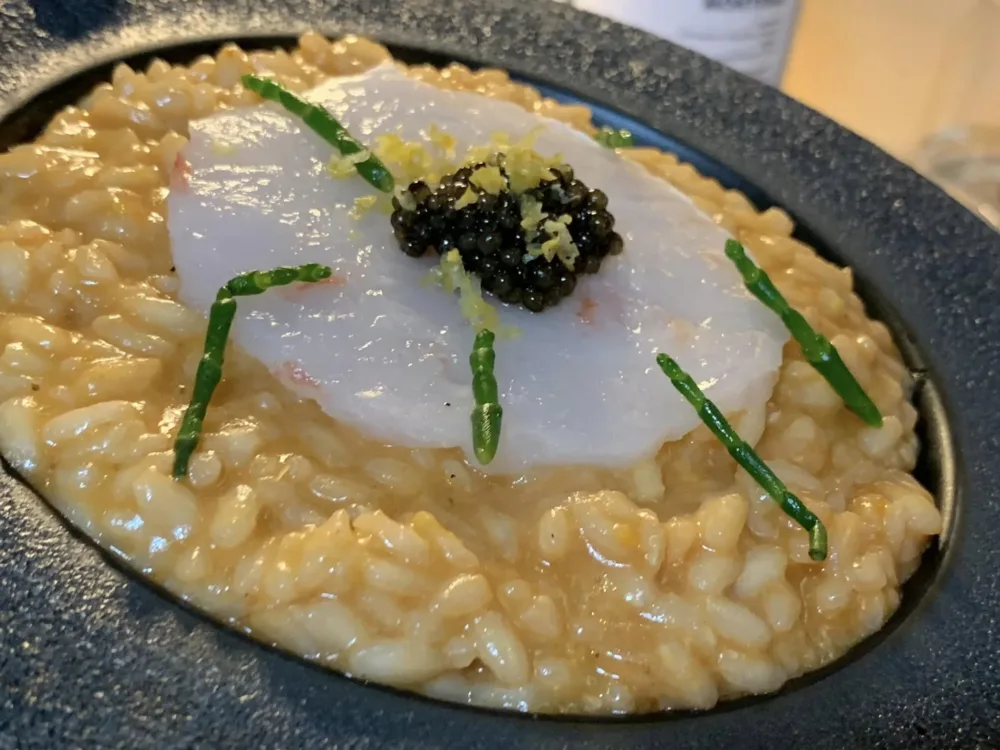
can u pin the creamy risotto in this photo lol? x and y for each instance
(365, 540)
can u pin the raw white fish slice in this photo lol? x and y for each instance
(386, 353)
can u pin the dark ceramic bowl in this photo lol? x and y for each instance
(91, 656)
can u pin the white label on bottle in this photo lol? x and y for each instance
(751, 36)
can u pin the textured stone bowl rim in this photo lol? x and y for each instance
(92, 657)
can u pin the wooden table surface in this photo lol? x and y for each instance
(871, 64)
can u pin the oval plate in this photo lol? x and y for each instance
(92, 657)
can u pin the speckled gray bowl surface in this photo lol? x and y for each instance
(91, 656)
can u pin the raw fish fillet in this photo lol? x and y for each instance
(382, 351)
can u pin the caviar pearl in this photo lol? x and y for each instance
(491, 238)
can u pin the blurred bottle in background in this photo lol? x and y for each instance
(962, 150)
(752, 36)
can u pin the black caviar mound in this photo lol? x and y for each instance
(492, 242)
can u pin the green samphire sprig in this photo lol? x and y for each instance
(745, 456)
(326, 127)
(487, 415)
(818, 350)
(220, 320)
(611, 138)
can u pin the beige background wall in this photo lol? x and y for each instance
(871, 64)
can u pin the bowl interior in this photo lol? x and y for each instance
(936, 468)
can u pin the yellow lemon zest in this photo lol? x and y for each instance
(362, 206)
(405, 198)
(531, 213)
(526, 168)
(453, 277)
(489, 179)
(407, 160)
(466, 199)
(561, 244)
(443, 141)
(384, 205)
(341, 166)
